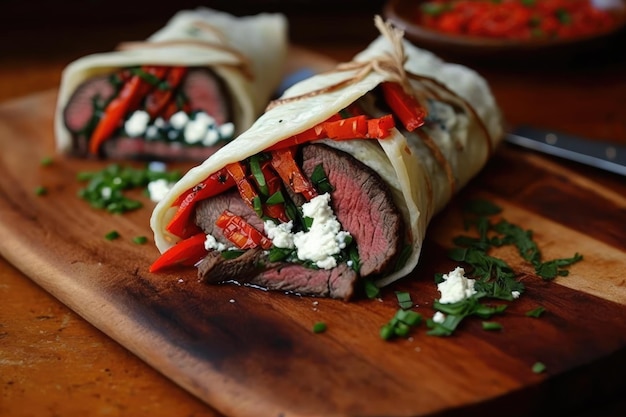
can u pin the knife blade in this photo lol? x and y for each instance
(599, 154)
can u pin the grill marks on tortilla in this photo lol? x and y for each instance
(363, 205)
(204, 90)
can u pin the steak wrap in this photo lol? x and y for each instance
(385, 184)
(181, 94)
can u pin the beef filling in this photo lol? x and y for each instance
(363, 205)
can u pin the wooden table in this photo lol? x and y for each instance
(52, 362)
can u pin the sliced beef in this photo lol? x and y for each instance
(338, 282)
(206, 92)
(216, 269)
(80, 107)
(253, 268)
(363, 205)
(138, 148)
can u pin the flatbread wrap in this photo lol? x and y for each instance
(188, 89)
(365, 156)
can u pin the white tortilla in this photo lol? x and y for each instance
(259, 41)
(418, 182)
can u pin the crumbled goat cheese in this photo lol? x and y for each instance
(455, 286)
(159, 122)
(211, 137)
(105, 192)
(195, 130)
(179, 120)
(152, 132)
(137, 123)
(323, 239)
(280, 234)
(158, 188)
(515, 294)
(210, 243)
(227, 130)
(439, 317)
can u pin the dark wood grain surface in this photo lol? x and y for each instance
(56, 363)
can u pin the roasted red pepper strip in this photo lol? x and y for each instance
(159, 98)
(247, 191)
(404, 106)
(128, 99)
(314, 133)
(215, 184)
(240, 232)
(350, 128)
(186, 252)
(379, 128)
(284, 163)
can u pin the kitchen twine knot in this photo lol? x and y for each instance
(243, 63)
(391, 65)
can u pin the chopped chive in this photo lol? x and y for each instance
(536, 312)
(400, 325)
(231, 254)
(112, 235)
(371, 289)
(255, 168)
(538, 367)
(320, 180)
(46, 161)
(319, 327)
(41, 190)
(276, 198)
(387, 332)
(258, 205)
(105, 188)
(404, 299)
(491, 325)
(140, 240)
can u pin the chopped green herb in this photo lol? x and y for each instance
(371, 290)
(456, 312)
(277, 254)
(400, 325)
(257, 204)
(112, 235)
(539, 367)
(255, 168)
(276, 198)
(231, 254)
(494, 278)
(491, 325)
(320, 180)
(41, 190)
(46, 161)
(105, 189)
(140, 240)
(404, 299)
(535, 312)
(319, 327)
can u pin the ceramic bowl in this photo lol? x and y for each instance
(403, 14)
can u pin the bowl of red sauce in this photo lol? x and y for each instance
(507, 28)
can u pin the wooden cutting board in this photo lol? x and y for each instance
(249, 352)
